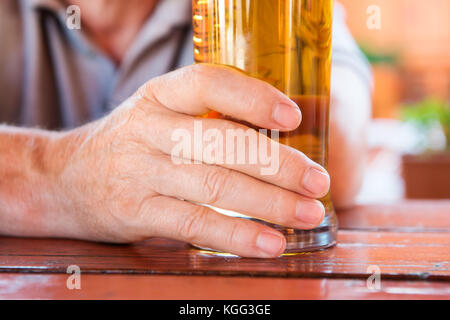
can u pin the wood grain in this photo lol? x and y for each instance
(45, 286)
(398, 255)
(408, 241)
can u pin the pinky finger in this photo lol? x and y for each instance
(204, 227)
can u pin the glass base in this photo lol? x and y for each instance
(319, 238)
(299, 241)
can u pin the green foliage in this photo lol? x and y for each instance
(376, 57)
(428, 113)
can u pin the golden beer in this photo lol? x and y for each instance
(286, 43)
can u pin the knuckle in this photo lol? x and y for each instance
(253, 103)
(148, 90)
(260, 89)
(198, 73)
(232, 239)
(263, 97)
(290, 162)
(194, 225)
(273, 205)
(214, 183)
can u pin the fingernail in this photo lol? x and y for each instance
(316, 182)
(310, 213)
(270, 243)
(287, 116)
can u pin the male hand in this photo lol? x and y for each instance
(117, 180)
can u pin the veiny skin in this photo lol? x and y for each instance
(113, 180)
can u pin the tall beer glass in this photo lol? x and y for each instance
(286, 43)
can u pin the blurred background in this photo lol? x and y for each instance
(409, 137)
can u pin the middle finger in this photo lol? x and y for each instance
(232, 190)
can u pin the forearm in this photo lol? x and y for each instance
(29, 164)
(350, 114)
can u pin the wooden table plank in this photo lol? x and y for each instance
(407, 241)
(45, 286)
(403, 216)
(416, 256)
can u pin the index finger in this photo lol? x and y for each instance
(200, 88)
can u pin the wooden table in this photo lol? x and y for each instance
(408, 241)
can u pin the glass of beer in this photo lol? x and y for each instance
(286, 43)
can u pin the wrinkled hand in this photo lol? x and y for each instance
(119, 183)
